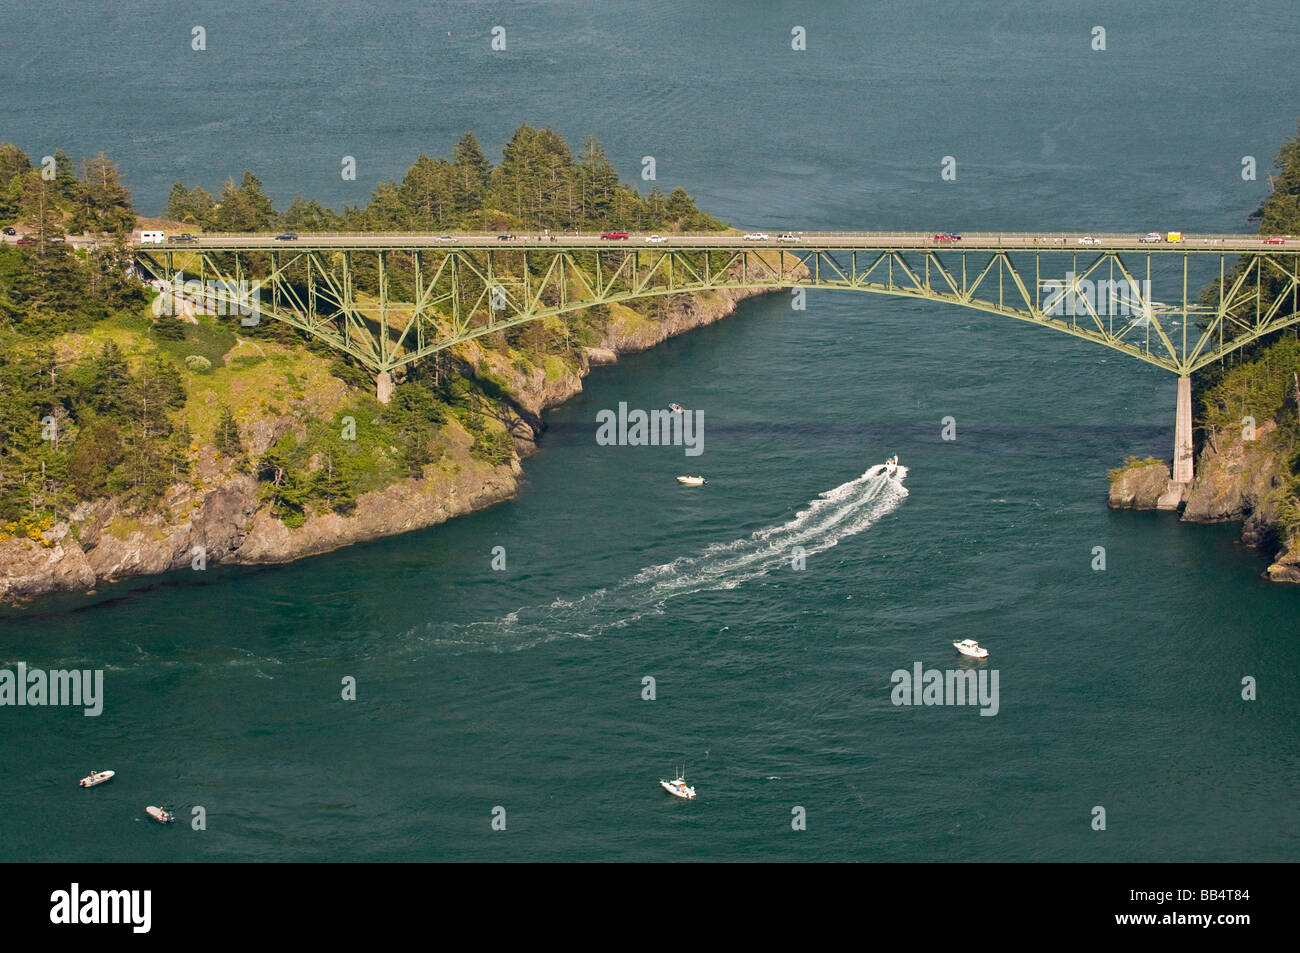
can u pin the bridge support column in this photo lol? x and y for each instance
(1183, 433)
(384, 387)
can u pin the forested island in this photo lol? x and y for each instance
(1247, 417)
(135, 442)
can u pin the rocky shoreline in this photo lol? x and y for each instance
(223, 521)
(1235, 480)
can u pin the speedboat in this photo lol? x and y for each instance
(972, 648)
(891, 465)
(692, 480)
(159, 815)
(676, 408)
(96, 777)
(678, 787)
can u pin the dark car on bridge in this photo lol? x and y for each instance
(10, 231)
(287, 237)
(507, 237)
(185, 237)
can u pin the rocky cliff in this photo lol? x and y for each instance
(1240, 476)
(217, 517)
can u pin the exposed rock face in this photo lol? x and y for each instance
(1236, 479)
(1286, 565)
(31, 568)
(1139, 487)
(223, 515)
(1233, 476)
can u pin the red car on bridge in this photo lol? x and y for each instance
(613, 236)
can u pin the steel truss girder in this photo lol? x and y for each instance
(454, 295)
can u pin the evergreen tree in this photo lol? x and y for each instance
(470, 170)
(191, 206)
(65, 179)
(1279, 214)
(243, 208)
(597, 183)
(40, 210)
(104, 203)
(226, 437)
(302, 215)
(331, 486)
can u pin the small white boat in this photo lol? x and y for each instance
(159, 815)
(972, 648)
(678, 787)
(692, 480)
(676, 408)
(95, 777)
(891, 465)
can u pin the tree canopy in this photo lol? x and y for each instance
(537, 185)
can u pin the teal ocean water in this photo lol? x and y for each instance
(523, 688)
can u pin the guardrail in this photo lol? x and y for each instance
(989, 238)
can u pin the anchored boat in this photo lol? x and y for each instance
(159, 815)
(678, 787)
(692, 480)
(971, 648)
(95, 777)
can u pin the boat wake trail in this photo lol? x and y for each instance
(846, 510)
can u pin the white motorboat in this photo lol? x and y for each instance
(972, 648)
(676, 408)
(678, 787)
(891, 465)
(95, 777)
(692, 480)
(159, 815)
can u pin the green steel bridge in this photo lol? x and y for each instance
(390, 300)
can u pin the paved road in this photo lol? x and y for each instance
(838, 240)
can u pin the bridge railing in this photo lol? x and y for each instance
(806, 236)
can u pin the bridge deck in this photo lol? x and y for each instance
(848, 241)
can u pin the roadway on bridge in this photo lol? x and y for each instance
(849, 241)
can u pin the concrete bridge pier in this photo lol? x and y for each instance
(384, 387)
(1176, 492)
(1183, 433)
